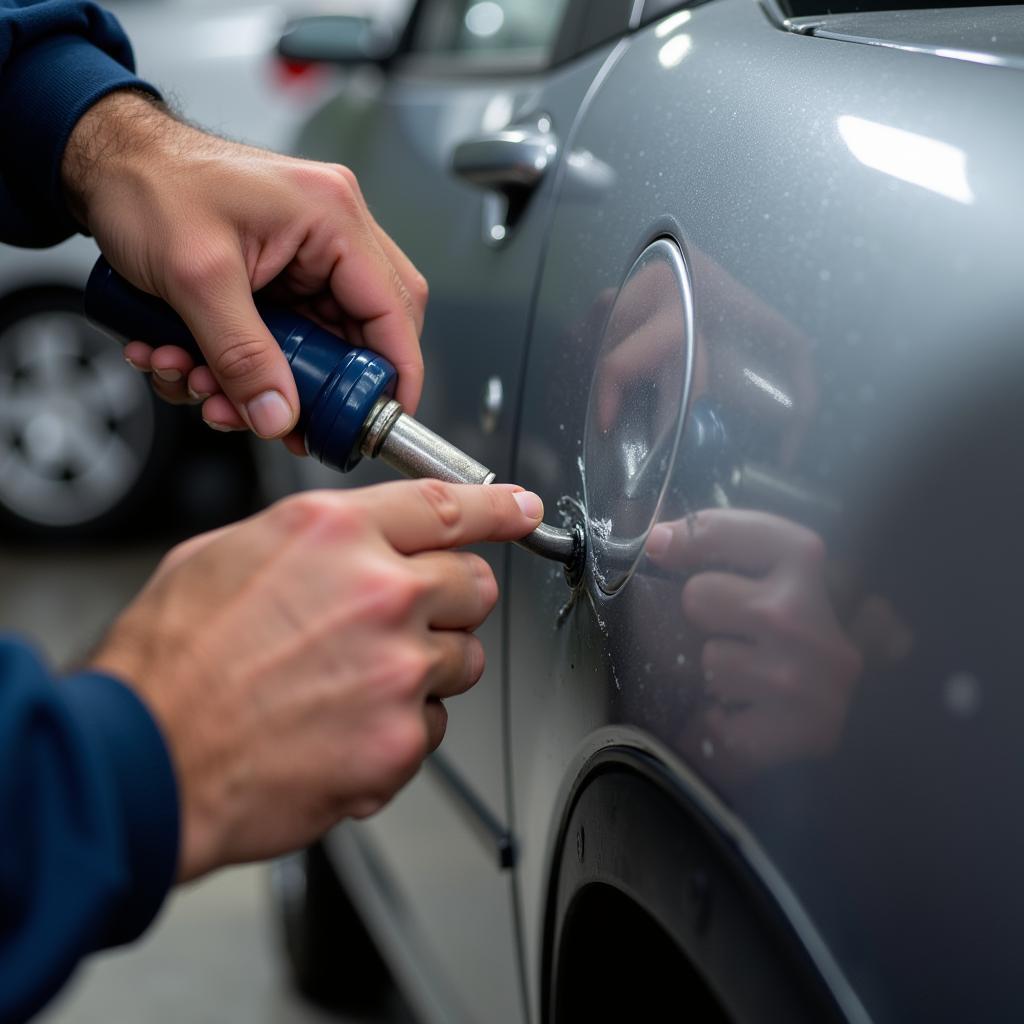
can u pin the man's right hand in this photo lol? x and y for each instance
(296, 662)
(203, 223)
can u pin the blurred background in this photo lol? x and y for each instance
(98, 479)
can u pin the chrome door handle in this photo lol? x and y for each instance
(509, 164)
(512, 159)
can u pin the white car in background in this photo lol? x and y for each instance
(84, 443)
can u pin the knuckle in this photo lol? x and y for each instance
(343, 189)
(408, 670)
(198, 270)
(418, 289)
(347, 176)
(178, 554)
(296, 510)
(779, 613)
(395, 593)
(403, 746)
(239, 358)
(316, 509)
(340, 522)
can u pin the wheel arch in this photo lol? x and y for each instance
(638, 849)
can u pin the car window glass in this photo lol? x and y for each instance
(519, 28)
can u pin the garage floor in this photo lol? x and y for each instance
(210, 959)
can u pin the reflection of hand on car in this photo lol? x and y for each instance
(779, 670)
(755, 359)
(643, 344)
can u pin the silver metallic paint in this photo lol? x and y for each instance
(845, 303)
(851, 218)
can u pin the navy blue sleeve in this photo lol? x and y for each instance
(88, 824)
(57, 58)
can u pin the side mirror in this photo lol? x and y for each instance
(337, 39)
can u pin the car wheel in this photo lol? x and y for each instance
(330, 955)
(82, 436)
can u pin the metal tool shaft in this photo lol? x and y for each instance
(416, 451)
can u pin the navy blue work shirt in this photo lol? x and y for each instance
(88, 800)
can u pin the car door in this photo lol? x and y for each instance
(829, 666)
(440, 144)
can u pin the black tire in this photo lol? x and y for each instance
(331, 957)
(83, 439)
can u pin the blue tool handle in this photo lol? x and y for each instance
(339, 386)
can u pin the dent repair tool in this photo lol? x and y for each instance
(347, 408)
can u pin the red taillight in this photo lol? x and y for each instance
(300, 77)
(294, 68)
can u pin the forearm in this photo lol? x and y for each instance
(89, 819)
(117, 145)
(57, 59)
(130, 148)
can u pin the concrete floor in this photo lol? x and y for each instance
(211, 957)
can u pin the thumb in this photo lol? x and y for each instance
(241, 352)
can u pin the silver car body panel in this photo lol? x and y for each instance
(850, 219)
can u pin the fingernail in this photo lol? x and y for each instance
(269, 414)
(658, 540)
(223, 428)
(170, 376)
(134, 366)
(529, 504)
(197, 396)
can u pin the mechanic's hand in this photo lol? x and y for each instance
(296, 661)
(779, 670)
(204, 223)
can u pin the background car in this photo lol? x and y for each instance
(737, 285)
(85, 446)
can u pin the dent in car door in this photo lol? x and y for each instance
(826, 642)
